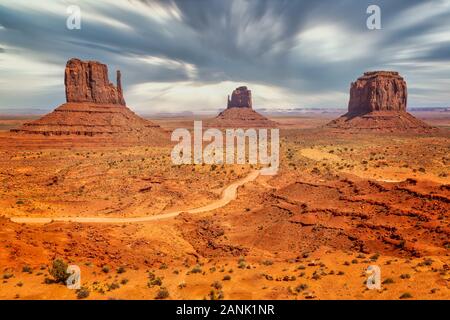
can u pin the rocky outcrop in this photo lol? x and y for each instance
(94, 107)
(378, 91)
(240, 114)
(240, 98)
(87, 81)
(378, 102)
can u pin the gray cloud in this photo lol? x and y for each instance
(312, 49)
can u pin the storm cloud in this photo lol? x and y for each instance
(178, 55)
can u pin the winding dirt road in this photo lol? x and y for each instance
(228, 194)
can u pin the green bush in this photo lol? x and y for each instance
(83, 293)
(406, 295)
(27, 269)
(105, 269)
(162, 294)
(59, 271)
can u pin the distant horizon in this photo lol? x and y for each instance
(271, 111)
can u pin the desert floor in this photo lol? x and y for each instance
(339, 203)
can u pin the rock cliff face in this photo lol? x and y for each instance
(240, 98)
(378, 91)
(87, 81)
(378, 103)
(94, 107)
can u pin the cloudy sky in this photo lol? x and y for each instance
(181, 55)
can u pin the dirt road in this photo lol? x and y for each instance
(228, 194)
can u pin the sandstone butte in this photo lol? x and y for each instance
(94, 106)
(378, 102)
(240, 114)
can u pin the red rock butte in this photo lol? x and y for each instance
(87, 81)
(378, 102)
(240, 98)
(94, 106)
(240, 114)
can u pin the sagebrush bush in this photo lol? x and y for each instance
(59, 271)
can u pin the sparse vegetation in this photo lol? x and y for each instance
(162, 293)
(59, 271)
(406, 295)
(83, 293)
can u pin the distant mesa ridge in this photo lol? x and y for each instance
(93, 106)
(378, 101)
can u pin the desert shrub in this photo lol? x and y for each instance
(226, 278)
(162, 293)
(82, 293)
(405, 276)
(196, 269)
(301, 287)
(124, 281)
(267, 262)
(27, 269)
(428, 262)
(105, 269)
(155, 282)
(113, 286)
(7, 275)
(59, 271)
(406, 295)
(163, 266)
(388, 281)
(121, 270)
(375, 257)
(217, 285)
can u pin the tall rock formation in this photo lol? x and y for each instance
(240, 98)
(378, 102)
(378, 91)
(87, 81)
(240, 114)
(94, 107)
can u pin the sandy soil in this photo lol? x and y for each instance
(340, 203)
